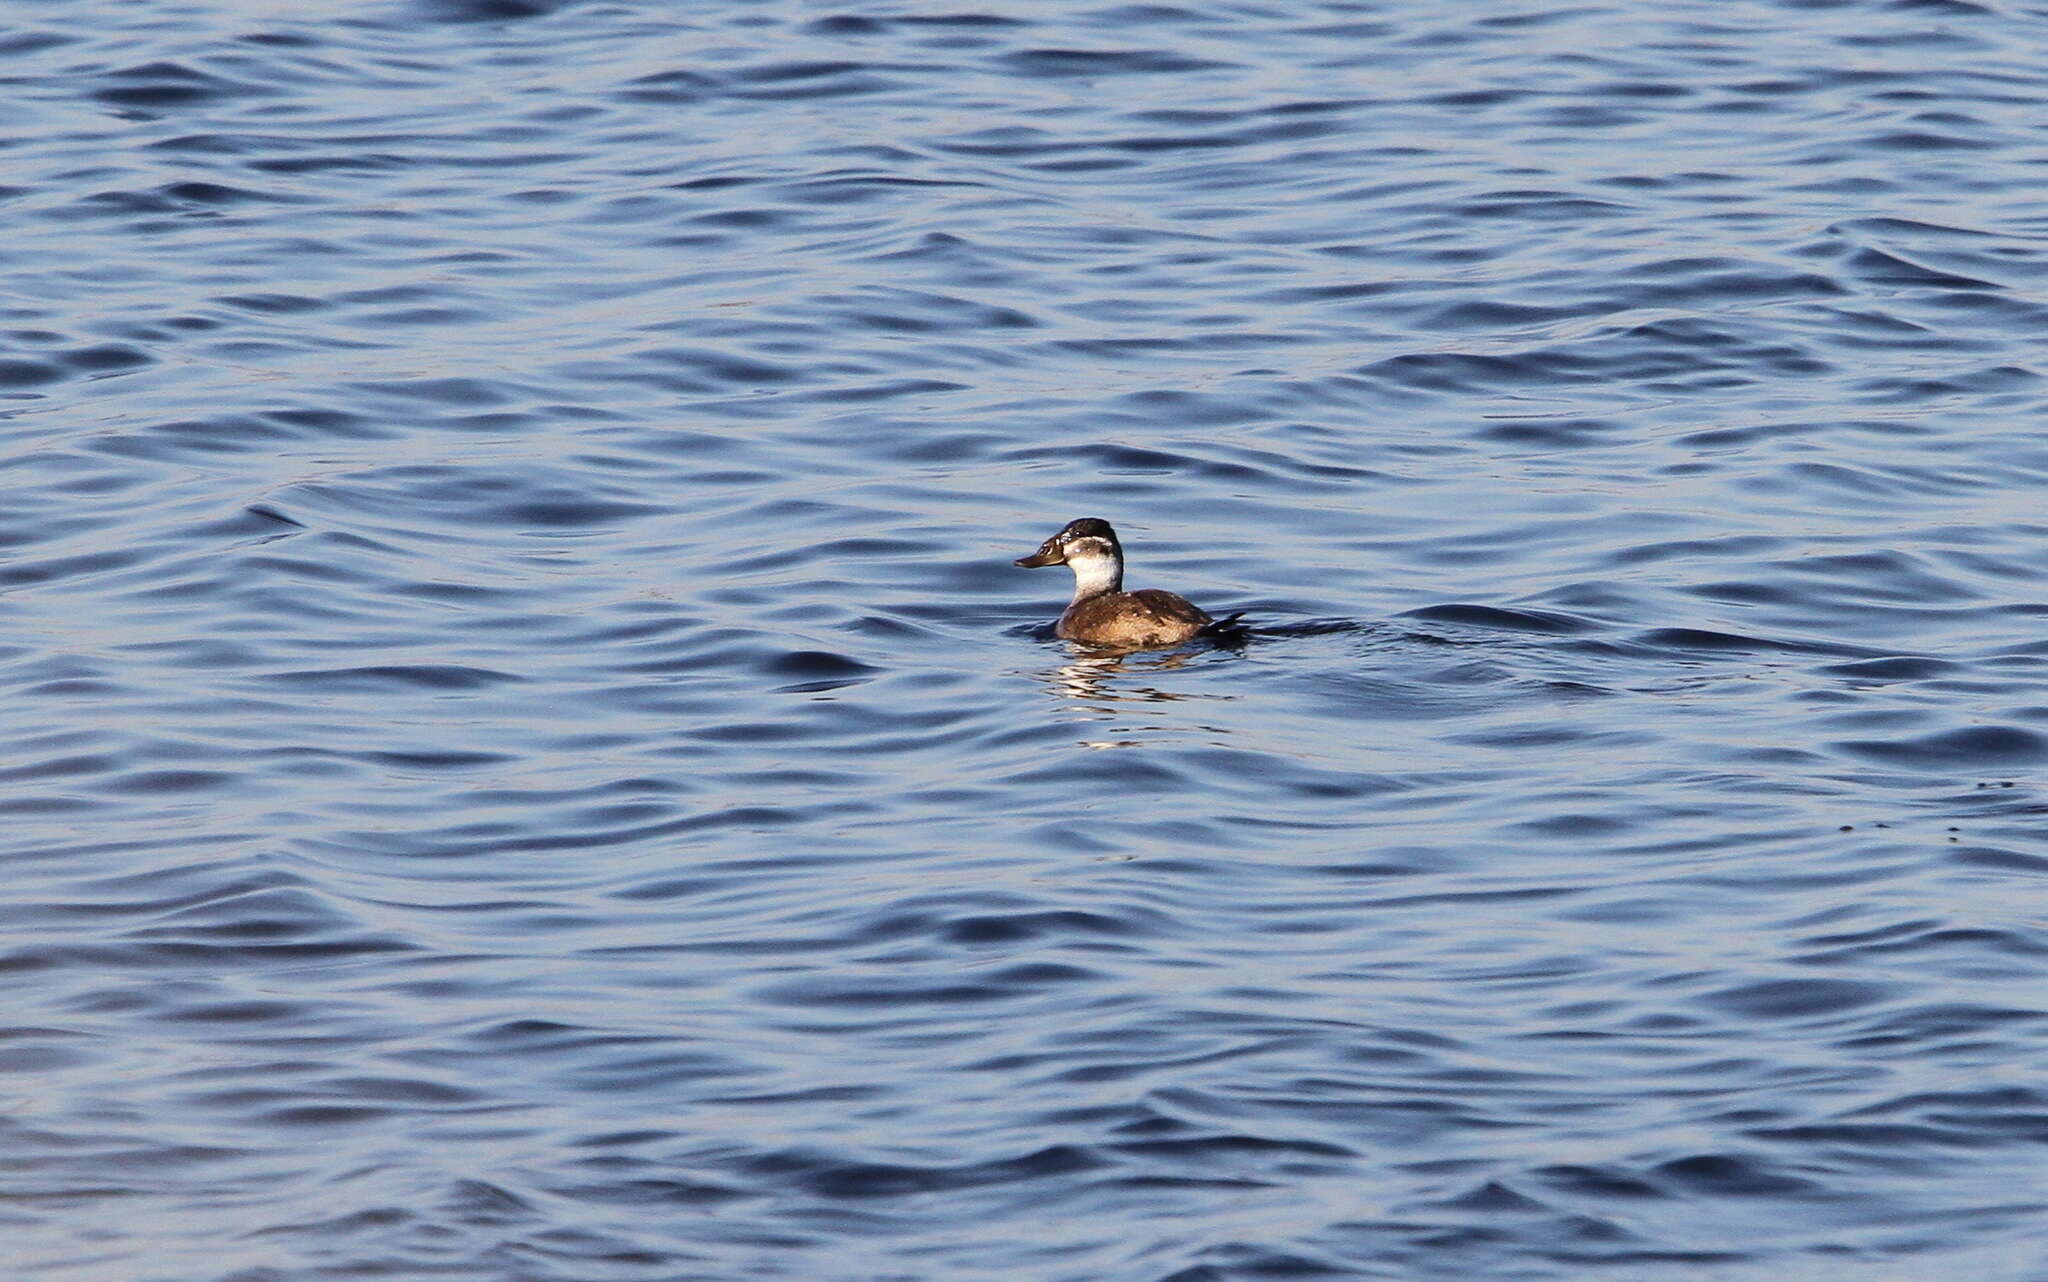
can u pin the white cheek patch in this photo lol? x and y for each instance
(1094, 570)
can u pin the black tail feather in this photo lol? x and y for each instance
(1228, 630)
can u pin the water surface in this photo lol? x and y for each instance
(526, 757)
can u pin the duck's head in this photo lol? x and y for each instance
(1089, 548)
(1080, 541)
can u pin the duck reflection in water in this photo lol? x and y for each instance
(1093, 678)
(1097, 687)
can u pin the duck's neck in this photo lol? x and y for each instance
(1096, 575)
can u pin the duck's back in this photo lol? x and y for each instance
(1143, 618)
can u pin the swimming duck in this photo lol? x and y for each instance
(1102, 613)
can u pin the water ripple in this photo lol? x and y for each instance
(528, 757)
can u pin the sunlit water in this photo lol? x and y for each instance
(526, 756)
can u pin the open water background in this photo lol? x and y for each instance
(525, 757)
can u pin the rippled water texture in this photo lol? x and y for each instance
(526, 757)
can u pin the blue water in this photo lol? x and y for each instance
(526, 758)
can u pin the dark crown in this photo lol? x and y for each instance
(1088, 527)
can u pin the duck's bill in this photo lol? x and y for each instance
(1043, 556)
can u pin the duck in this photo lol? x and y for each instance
(1102, 613)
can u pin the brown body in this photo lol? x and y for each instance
(1102, 613)
(1132, 619)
